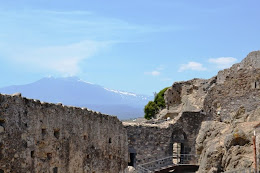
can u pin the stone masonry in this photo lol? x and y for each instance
(151, 142)
(52, 138)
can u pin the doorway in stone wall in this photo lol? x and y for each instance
(132, 157)
(177, 151)
(179, 139)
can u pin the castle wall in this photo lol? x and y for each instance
(151, 142)
(51, 138)
(236, 96)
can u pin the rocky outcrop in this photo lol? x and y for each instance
(225, 147)
(232, 107)
(236, 94)
(186, 96)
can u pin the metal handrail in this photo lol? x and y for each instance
(145, 168)
(141, 169)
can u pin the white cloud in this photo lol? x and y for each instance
(153, 73)
(223, 62)
(195, 66)
(157, 71)
(63, 59)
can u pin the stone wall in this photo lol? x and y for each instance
(185, 96)
(155, 141)
(189, 125)
(149, 142)
(234, 98)
(51, 138)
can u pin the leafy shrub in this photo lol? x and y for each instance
(159, 98)
(152, 108)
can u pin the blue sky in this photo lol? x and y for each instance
(138, 46)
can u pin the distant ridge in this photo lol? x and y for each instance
(76, 92)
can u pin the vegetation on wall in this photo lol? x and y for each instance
(152, 108)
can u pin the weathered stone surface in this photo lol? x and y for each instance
(155, 141)
(237, 137)
(223, 147)
(54, 138)
(185, 97)
(232, 105)
(236, 88)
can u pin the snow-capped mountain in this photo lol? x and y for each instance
(76, 92)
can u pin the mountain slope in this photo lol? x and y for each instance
(73, 91)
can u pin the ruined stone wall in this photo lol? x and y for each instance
(235, 98)
(185, 96)
(50, 138)
(189, 125)
(155, 141)
(149, 142)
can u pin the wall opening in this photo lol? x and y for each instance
(2, 171)
(255, 85)
(49, 156)
(2, 122)
(85, 137)
(132, 159)
(179, 138)
(110, 140)
(56, 133)
(32, 154)
(55, 170)
(176, 152)
(25, 145)
(44, 132)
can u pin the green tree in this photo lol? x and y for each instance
(152, 108)
(159, 99)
